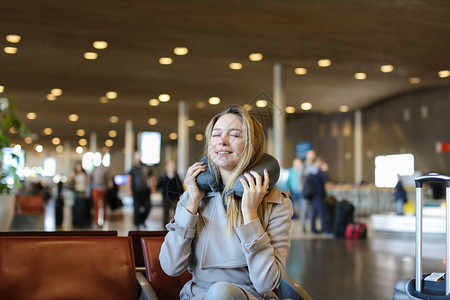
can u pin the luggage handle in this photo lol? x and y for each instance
(419, 183)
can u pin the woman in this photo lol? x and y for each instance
(233, 246)
(80, 181)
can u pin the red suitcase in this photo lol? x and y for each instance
(356, 231)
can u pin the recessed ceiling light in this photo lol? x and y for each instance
(47, 131)
(2, 89)
(360, 76)
(165, 60)
(103, 99)
(152, 121)
(114, 119)
(31, 116)
(153, 102)
(173, 136)
(344, 108)
(56, 141)
(444, 73)
(28, 140)
(387, 68)
(300, 71)
(13, 130)
(255, 56)
(51, 97)
(13, 38)
(10, 50)
(261, 103)
(82, 142)
(73, 117)
(100, 45)
(190, 123)
(414, 80)
(247, 107)
(164, 97)
(199, 137)
(111, 95)
(235, 66)
(56, 92)
(180, 50)
(90, 55)
(59, 149)
(201, 104)
(109, 143)
(214, 100)
(81, 132)
(79, 149)
(39, 148)
(290, 109)
(112, 133)
(306, 106)
(323, 63)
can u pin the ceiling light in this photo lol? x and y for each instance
(28, 140)
(324, 63)
(164, 97)
(290, 109)
(114, 119)
(2, 89)
(387, 68)
(300, 71)
(47, 131)
(360, 76)
(39, 148)
(414, 80)
(103, 99)
(112, 133)
(173, 136)
(214, 100)
(51, 97)
(201, 104)
(247, 107)
(255, 56)
(100, 45)
(90, 55)
(306, 106)
(190, 123)
(152, 121)
(444, 73)
(235, 66)
(10, 50)
(31, 116)
(153, 102)
(59, 149)
(56, 141)
(81, 132)
(261, 103)
(180, 50)
(199, 137)
(344, 108)
(56, 92)
(165, 60)
(13, 130)
(79, 150)
(82, 142)
(109, 143)
(111, 95)
(13, 38)
(73, 117)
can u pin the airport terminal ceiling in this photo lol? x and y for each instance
(411, 39)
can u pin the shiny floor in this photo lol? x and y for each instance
(328, 268)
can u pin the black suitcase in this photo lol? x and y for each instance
(81, 212)
(419, 288)
(343, 215)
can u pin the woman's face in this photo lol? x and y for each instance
(227, 142)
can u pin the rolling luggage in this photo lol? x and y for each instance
(343, 215)
(356, 231)
(81, 212)
(427, 286)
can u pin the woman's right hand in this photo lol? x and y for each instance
(195, 194)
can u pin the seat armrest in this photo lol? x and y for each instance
(147, 292)
(298, 289)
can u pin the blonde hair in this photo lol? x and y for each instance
(254, 144)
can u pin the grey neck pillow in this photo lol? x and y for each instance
(207, 181)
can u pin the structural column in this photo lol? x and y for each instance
(129, 145)
(279, 116)
(93, 142)
(183, 139)
(358, 146)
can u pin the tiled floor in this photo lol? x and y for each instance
(326, 267)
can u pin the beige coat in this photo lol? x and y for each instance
(252, 257)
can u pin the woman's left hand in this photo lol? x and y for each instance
(254, 192)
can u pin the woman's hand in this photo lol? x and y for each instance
(195, 194)
(254, 192)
